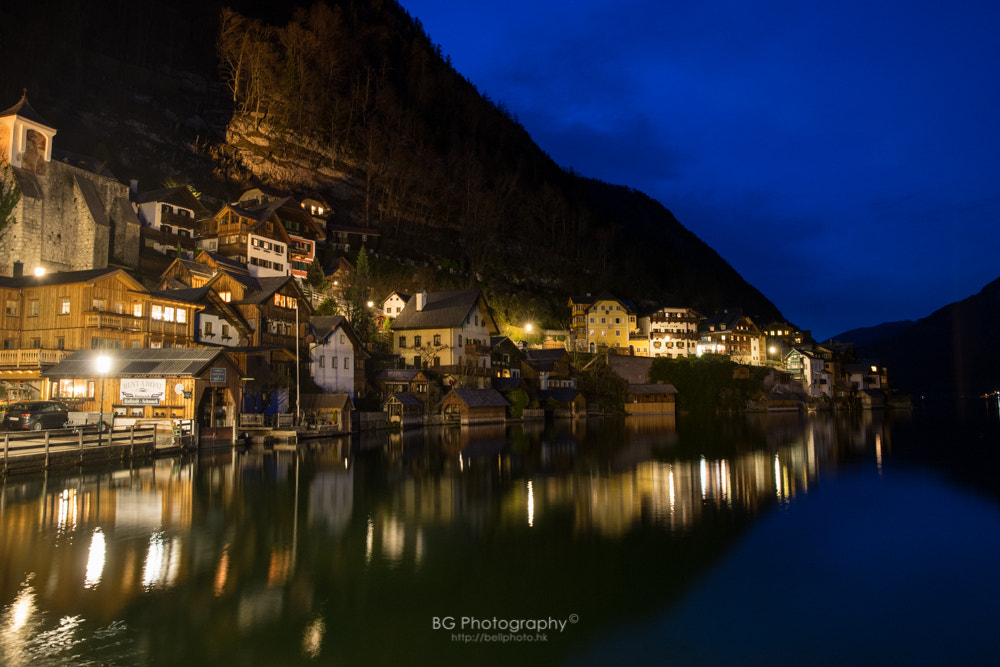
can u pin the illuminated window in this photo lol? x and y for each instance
(181, 315)
(226, 296)
(64, 306)
(137, 310)
(156, 312)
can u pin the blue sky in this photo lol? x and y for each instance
(843, 157)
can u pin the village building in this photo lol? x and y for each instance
(336, 356)
(731, 333)
(169, 218)
(601, 323)
(672, 331)
(808, 368)
(474, 406)
(548, 368)
(46, 317)
(142, 385)
(448, 331)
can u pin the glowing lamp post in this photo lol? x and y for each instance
(103, 366)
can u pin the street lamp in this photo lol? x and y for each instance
(103, 366)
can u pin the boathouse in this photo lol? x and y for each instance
(474, 406)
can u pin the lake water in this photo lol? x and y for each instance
(826, 539)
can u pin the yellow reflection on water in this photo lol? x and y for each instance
(531, 505)
(66, 513)
(222, 572)
(312, 641)
(95, 559)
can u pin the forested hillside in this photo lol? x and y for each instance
(355, 101)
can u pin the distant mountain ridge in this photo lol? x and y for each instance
(951, 351)
(864, 336)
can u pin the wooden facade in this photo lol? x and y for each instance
(202, 384)
(45, 318)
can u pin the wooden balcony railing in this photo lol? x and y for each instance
(171, 328)
(31, 358)
(99, 319)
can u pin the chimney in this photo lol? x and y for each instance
(18, 269)
(133, 185)
(420, 300)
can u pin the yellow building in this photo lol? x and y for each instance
(600, 323)
(445, 329)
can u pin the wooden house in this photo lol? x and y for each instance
(328, 410)
(198, 383)
(403, 409)
(46, 317)
(474, 406)
(563, 402)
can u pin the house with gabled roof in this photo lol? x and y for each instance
(336, 356)
(600, 323)
(45, 317)
(809, 368)
(732, 333)
(169, 218)
(166, 384)
(474, 406)
(548, 368)
(672, 331)
(506, 357)
(254, 236)
(445, 330)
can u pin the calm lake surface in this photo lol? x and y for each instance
(822, 539)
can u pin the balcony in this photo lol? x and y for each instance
(98, 319)
(169, 328)
(32, 358)
(187, 242)
(474, 349)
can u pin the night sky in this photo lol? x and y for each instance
(843, 157)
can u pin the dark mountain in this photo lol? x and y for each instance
(351, 100)
(865, 336)
(951, 351)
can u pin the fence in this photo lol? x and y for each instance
(65, 446)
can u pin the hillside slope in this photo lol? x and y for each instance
(352, 100)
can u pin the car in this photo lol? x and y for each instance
(35, 415)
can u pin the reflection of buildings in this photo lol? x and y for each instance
(633, 487)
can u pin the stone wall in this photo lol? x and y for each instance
(64, 221)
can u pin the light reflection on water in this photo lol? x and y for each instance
(313, 553)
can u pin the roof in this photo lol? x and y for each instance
(138, 362)
(634, 370)
(326, 402)
(441, 310)
(559, 394)
(322, 326)
(28, 182)
(479, 398)
(25, 110)
(405, 399)
(506, 384)
(64, 278)
(180, 195)
(396, 375)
